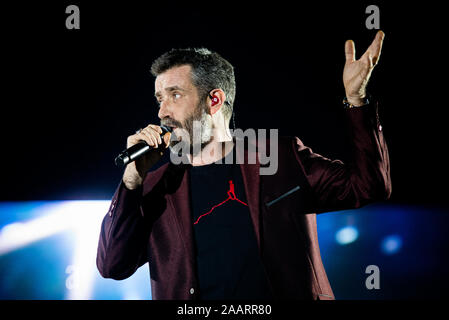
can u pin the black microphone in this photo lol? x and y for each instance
(137, 150)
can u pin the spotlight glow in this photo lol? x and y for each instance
(391, 244)
(346, 235)
(83, 218)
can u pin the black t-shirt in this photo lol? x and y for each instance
(227, 257)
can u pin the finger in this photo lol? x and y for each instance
(376, 47)
(156, 136)
(381, 36)
(150, 138)
(370, 61)
(156, 130)
(349, 51)
(155, 127)
(134, 139)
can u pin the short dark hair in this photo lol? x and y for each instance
(209, 71)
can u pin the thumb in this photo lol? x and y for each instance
(349, 51)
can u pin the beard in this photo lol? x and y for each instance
(192, 134)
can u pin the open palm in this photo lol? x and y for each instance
(356, 73)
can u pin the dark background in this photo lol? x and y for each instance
(71, 97)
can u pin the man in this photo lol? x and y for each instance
(223, 231)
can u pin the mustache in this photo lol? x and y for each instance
(171, 123)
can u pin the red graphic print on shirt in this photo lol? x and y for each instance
(231, 196)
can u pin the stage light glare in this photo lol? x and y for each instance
(391, 244)
(132, 295)
(83, 218)
(57, 216)
(346, 235)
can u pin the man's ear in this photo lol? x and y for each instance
(215, 100)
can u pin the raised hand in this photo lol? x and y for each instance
(357, 73)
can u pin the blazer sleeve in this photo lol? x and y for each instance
(366, 178)
(123, 236)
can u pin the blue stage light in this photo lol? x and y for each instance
(346, 235)
(391, 244)
(25, 224)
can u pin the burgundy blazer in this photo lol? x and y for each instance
(154, 223)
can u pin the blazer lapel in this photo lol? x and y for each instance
(251, 180)
(181, 207)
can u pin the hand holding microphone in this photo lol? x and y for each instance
(144, 149)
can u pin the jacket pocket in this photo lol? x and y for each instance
(270, 203)
(322, 296)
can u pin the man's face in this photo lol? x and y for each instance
(180, 106)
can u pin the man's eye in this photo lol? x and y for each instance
(176, 95)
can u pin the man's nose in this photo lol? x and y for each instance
(164, 110)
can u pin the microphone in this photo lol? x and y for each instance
(137, 150)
